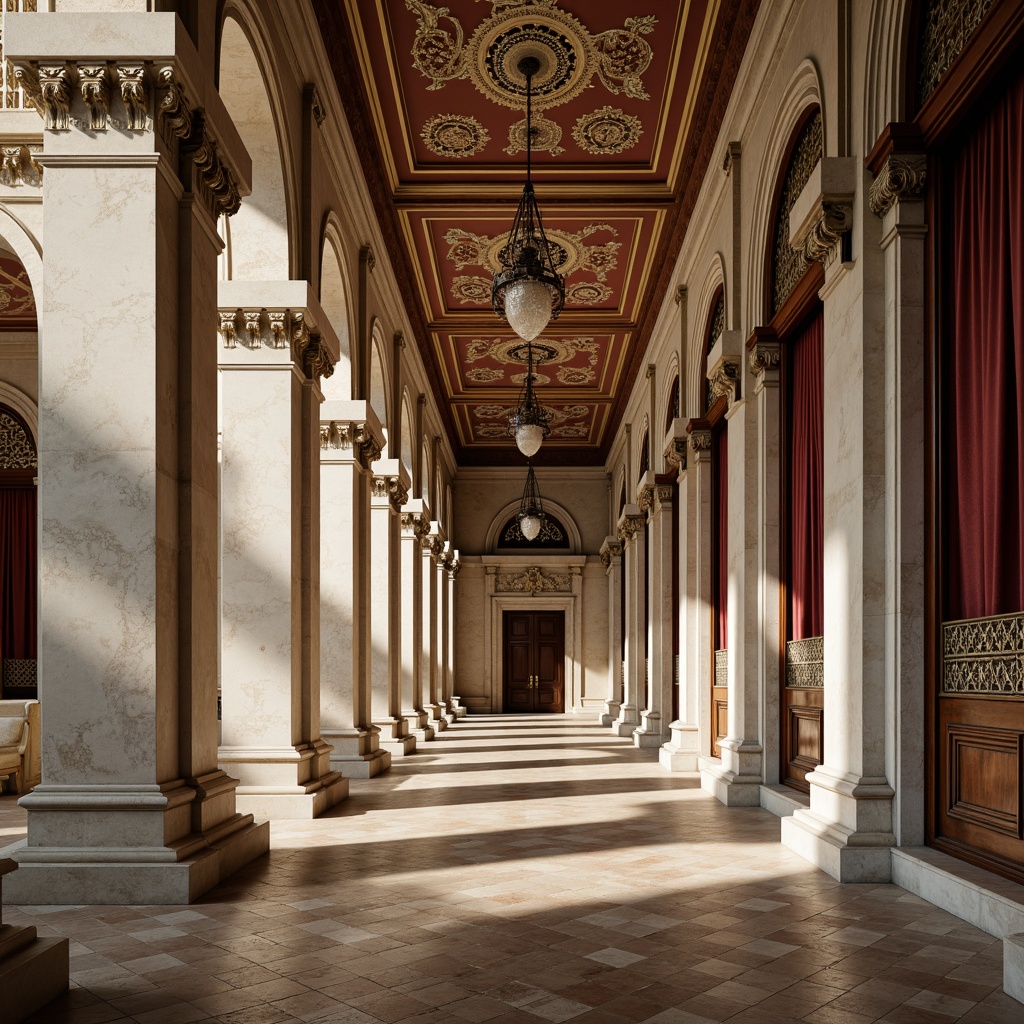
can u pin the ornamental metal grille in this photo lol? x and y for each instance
(984, 656)
(789, 264)
(722, 668)
(552, 535)
(19, 674)
(946, 26)
(16, 448)
(805, 662)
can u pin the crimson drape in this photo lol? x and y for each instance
(806, 582)
(984, 379)
(18, 572)
(720, 494)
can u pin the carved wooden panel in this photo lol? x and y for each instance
(985, 777)
(806, 737)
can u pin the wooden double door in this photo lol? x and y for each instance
(534, 661)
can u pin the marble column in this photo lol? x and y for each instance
(680, 753)
(611, 559)
(440, 551)
(431, 626)
(140, 162)
(351, 439)
(631, 527)
(389, 492)
(848, 829)
(764, 358)
(452, 567)
(698, 667)
(270, 362)
(656, 500)
(415, 524)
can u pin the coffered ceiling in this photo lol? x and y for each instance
(627, 107)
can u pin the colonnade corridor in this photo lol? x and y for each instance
(523, 869)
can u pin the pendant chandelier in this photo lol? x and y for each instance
(528, 292)
(528, 422)
(531, 510)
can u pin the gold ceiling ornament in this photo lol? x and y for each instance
(569, 250)
(547, 136)
(578, 431)
(455, 136)
(587, 293)
(471, 289)
(499, 350)
(568, 54)
(607, 131)
(484, 375)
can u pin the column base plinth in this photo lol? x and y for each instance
(727, 786)
(435, 713)
(681, 752)
(303, 802)
(402, 747)
(846, 855)
(361, 766)
(627, 722)
(648, 733)
(610, 713)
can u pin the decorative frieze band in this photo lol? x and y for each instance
(277, 329)
(901, 178)
(350, 436)
(984, 656)
(532, 581)
(805, 662)
(392, 488)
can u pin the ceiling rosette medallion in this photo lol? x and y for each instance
(547, 137)
(455, 135)
(564, 350)
(608, 130)
(570, 56)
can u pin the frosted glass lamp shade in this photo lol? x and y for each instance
(529, 437)
(530, 525)
(527, 307)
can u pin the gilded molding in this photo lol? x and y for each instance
(901, 178)
(94, 83)
(823, 241)
(805, 662)
(532, 581)
(765, 356)
(134, 95)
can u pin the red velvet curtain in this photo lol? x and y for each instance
(806, 577)
(984, 378)
(720, 540)
(18, 572)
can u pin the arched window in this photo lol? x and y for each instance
(645, 456)
(552, 537)
(672, 409)
(716, 326)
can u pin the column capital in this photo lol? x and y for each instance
(764, 355)
(699, 435)
(724, 366)
(611, 550)
(415, 524)
(630, 522)
(390, 487)
(823, 212)
(675, 445)
(901, 178)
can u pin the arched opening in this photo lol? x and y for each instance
(424, 480)
(334, 298)
(378, 387)
(256, 236)
(406, 428)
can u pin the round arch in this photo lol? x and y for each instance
(26, 409)
(258, 236)
(713, 283)
(336, 300)
(406, 449)
(562, 514)
(425, 473)
(379, 381)
(887, 72)
(668, 406)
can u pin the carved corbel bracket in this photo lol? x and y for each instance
(453, 566)
(278, 321)
(52, 91)
(764, 354)
(175, 111)
(215, 182)
(645, 498)
(366, 257)
(901, 178)
(134, 95)
(94, 83)
(366, 445)
(630, 523)
(392, 488)
(675, 452)
(699, 436)
(252, 323)
(415, 525)
(18, 167)
(611, 548)
(823, 212)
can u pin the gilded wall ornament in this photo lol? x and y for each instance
(499, 350)
(484, 375)
(95, 88)
(587, 293)
(532, 581)
(547, 136)
(570, 56)
(805, 662)
(18, 166)
(471, 289)
(551, 533)
(607, 131)
(570, 250)
(16, 448)
(455, 136)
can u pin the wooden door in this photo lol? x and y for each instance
(803, 711)
(534, 660)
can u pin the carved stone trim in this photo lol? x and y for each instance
(416, 525)
(216, 184)
(645, 498)
(764, 356)
(94, 83)
(901, 178)
(251, 322)
(805, 662)
(630, 526)
(723, 381)
(610, 549)
(134, 95)
(675, 452)
(722, 667)
(824, 241)
(533, 581)
(947, 25)
(984, 656)
(53, 93)
(366, 256)
(392, 488)
(175, 112)
(700, 441)
(18, 167)
(228, 327)
(350, 436)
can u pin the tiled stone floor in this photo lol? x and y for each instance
(523, 870)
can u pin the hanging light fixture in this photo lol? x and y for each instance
(528, 291)
(531, 511)
(528, 422)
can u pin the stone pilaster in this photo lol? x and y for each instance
(351, 439)
(656, 501)
(698, 657)
(440, 552)
(452, 566)
(415, 524)
(271, 359)
(679, 753)
(611, 559)
(389, 492)
(132, 807)
(631, 530)
(431, 541)
(764, 359)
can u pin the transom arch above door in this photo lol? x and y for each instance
(493, 543)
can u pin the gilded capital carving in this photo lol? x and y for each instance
(18, 167)
(675, 452)
(93, 80)
(700, 441)
(252, 324)
(415, 525)
(437, 550)
(134, 95)
(53, 94)
(645, 497)
(823, 241)
(217, 184)
(630, 526)
(453, 566)
(366, 445)
(278, 320)
(901, 178)
(724, 380)
(316, 359)
(609, 550)
(175, 111)
(765, 355)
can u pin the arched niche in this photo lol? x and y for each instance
(379, 384)
(335, 298)
(495, 544)
(257, 236)
(424, 481)
(643, 451)
(671, 400)
(710, 310)
(407, 427)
